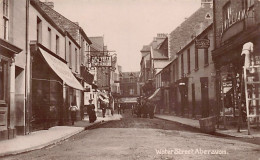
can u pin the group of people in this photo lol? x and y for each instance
(143, 109)
(90, 111)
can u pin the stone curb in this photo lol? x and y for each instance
(216, 133)
(53, 141)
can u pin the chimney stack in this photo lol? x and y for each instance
(49, 3)
(206, 2)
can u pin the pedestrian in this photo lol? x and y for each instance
(73, 112)
(103, 108)
(91, 112)
(133, 109)
(119, 109)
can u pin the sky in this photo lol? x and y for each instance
(127, 25)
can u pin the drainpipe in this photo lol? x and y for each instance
(27, 72)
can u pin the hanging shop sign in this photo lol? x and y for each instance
(101, 61)
(202, 43)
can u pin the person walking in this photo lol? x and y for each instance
(73, 112)
(103, 108)
(91, 112)
(119, 109)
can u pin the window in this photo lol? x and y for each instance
(196, 59)
(5, 18)
(131, 91)
(39, 30)
(226, 12)
(206, 56)
(57, 44)
(70, 54)
(182, 65)
(49, 37)
(188, 60)
(3, 80)
(249, 3)
(6, 21)
(76, 60)
(5, 8)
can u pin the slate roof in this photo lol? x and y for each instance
(160, 64)
(71, 27)
(146, 48)
(158, 54)
(97, 43)
(192, 26)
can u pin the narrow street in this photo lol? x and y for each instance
(143, 138)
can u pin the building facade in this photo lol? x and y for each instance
(235, 23)
(8, 51)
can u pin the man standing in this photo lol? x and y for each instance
(91, 112)
(73, 112)
(119, 109)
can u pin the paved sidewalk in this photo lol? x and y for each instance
(195, 124)
(44, 138)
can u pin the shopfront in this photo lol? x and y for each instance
(7, 89)
(229, 65)
(54, 87)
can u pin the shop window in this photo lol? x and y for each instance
(3, 79)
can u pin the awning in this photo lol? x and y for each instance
(156, 96)
(128, 100)
(62, 70)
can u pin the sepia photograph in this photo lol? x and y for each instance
(129, 79)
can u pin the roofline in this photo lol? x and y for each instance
(46, 17)
(85, 36)
(211, 25)
(72, 39)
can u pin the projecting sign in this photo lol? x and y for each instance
(101, 61)
(202, 43)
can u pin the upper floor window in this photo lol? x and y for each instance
(182, 65)
(196, 59)
(6, 23)
(57, 44)
(5, 7)
(49, 37)
(39, 30)
(226, 11)
(76, 59)
(188, 60)
(249, 3)
(5, 18)
(70, 54)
